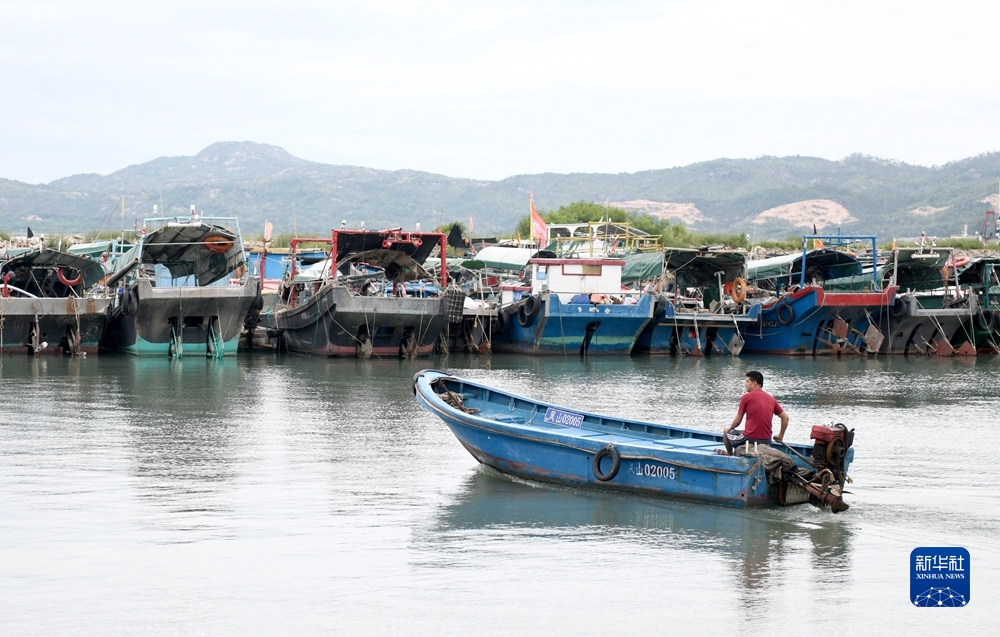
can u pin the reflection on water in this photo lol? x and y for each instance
(755, 543)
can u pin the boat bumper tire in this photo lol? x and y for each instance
(616, 462)
(528, 310)
(784, 312)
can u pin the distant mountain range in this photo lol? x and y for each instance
(768, 196)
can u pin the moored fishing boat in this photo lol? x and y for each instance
(800, 317)
(930, 313)
(701, 308)
(540, 441)
(50, 303)
(183, 288)
(979, 277)
(370, 296)
(572, 306)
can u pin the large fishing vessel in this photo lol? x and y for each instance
(181, 289)
(370, 296)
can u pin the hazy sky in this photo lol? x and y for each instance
(487, 90)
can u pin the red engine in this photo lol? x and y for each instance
(832, 443)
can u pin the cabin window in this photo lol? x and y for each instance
(586, 269)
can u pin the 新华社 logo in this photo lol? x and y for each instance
(939, 576)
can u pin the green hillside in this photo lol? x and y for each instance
(258, 181)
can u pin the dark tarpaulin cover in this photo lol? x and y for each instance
(183, 248)
(92, 271)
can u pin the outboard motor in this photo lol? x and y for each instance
(824, 486)
(830, 448)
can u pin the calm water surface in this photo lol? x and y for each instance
(288, 495)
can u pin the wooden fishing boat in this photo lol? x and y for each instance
(701, 305)
(799, 316)
(540, 441)
(574, 306)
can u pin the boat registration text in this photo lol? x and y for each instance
(563, 418)
(656, 471)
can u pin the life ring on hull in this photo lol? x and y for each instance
(784, 313)
(218, 243)
(528, 310)
(959, 262)
(65, 280)
(616, 461)
(739, 292)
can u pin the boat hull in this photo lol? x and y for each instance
(570, 328)
(335, 322)
(694, 333)
(517, 436)
(912, 329)
(58, 321)
(179, 321)
(821, 323)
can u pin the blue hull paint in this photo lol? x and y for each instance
(562, 328)
(694, 334)
(813, 328)
(509, 434)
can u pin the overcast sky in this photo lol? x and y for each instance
(488, 90)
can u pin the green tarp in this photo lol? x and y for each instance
(691, 268)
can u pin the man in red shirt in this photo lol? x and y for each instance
(759, 407)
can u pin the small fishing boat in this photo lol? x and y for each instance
(539, 441)
(50, 303)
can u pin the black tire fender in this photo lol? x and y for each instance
(898, 309)
(503, 322)
(984, 320)
(784, 312)
(528, 310)
(616, 461)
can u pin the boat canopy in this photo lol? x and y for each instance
(94, 249)
(208, 252)
(692, 268)
(822, 264)
(979, 272)
(91, 270)
(498, 257)
(417, 246)
(915, 269)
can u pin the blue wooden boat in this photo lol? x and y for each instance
(574, 306)
(539, 441)
(802, 317)
(703, 309)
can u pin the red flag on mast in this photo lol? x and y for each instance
(539, 231)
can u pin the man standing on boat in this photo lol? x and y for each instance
(759, 407)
